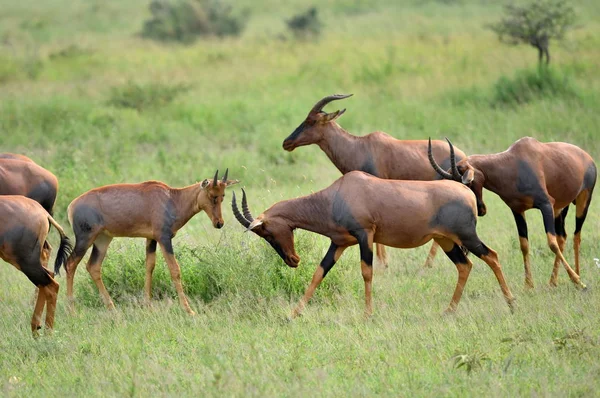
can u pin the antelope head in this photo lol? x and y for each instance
(211, 196)
(464, 173)
(272, 228)
(314, 127)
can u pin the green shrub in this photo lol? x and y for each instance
(530, 84)
(142, 97)
(185, 20)
(305, 25)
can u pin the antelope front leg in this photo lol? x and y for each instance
(333, 254)
(167, 249)
(431, 255)
(150, 264)
(366, 267)
(524, 243)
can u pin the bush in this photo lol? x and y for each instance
(185, 20)
(305, 25)
(531, 84)
(141, 97)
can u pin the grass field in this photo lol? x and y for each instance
(416, 69)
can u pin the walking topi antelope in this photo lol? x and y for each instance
(361, 209)
(534, 175)
(23, 231)
(150, 210)
(377, 153)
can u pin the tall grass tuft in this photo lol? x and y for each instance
(528, 85)
(144, 96)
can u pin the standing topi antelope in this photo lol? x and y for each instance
(361, 209)
(150, 210)
(23, 231)
(377, 153)
(534, 175)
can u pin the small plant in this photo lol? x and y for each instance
(574, 341)
(185, 20)
(305, 25)
(536, 24)
(142, 97)
(470, 361)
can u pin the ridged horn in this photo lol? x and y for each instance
(247, 214)
(436, 166)
(224, 180)
(216, 178)
(324, 101)
(236, 212)
(455, 173)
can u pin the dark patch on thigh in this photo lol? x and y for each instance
(329, 260)
(528, 184)
(86, 219)
(521, 224)
(455, 217)
(45, 194)
(476, 246)
(151, 247)
(26, 247)
(369, 166)
(457, 255)
(589, 178)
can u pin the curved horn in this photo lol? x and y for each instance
(455, 173)
(215, 179)
(224, 180)
(237, 214)
(324, 101)
(247, 214)
(437, 167)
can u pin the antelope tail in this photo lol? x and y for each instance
(65, 248)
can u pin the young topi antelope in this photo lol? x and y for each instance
(361, 209)
(376, 153)
(150, 210)
(23, 231)
(531, 174)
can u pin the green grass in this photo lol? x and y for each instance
(418, 69)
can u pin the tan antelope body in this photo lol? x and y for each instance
(531, 174)
(150, 210)
(362, 209)
(23, 230)
(377, 153)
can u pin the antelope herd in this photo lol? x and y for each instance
(388, 196)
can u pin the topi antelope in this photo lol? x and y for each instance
(531, 174)
(23, 231)
(377, 153)
(361, 209)
(150, 210)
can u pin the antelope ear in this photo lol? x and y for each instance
(204, 183)
(231, 182)
(254, 224)
(333, 115)
(468, 177)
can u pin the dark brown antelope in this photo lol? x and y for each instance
(23, 230)
(361, 209)
(534, 175)
(376, 153)
(150, 210)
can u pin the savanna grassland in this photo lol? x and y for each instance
(416, 69)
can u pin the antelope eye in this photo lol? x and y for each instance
(214, 200)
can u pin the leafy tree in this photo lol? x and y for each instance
(535, 24)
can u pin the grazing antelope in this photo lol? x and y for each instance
(534, 175)
(377, 153)
(23, 230)
(150, 210)
(361, 209)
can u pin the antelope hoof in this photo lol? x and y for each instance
(582, 286)
(449, 311)
(529, 284)
(553, 283)
(512, 305)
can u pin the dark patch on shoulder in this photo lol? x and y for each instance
(369, 166)
(342, 215)
(45, 194)
(169, 218)
(528, 184)
(329, 260)
(589, 178)
(24, 243)
(85, 219)
(455, 216)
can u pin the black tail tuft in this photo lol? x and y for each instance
(64, 251)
